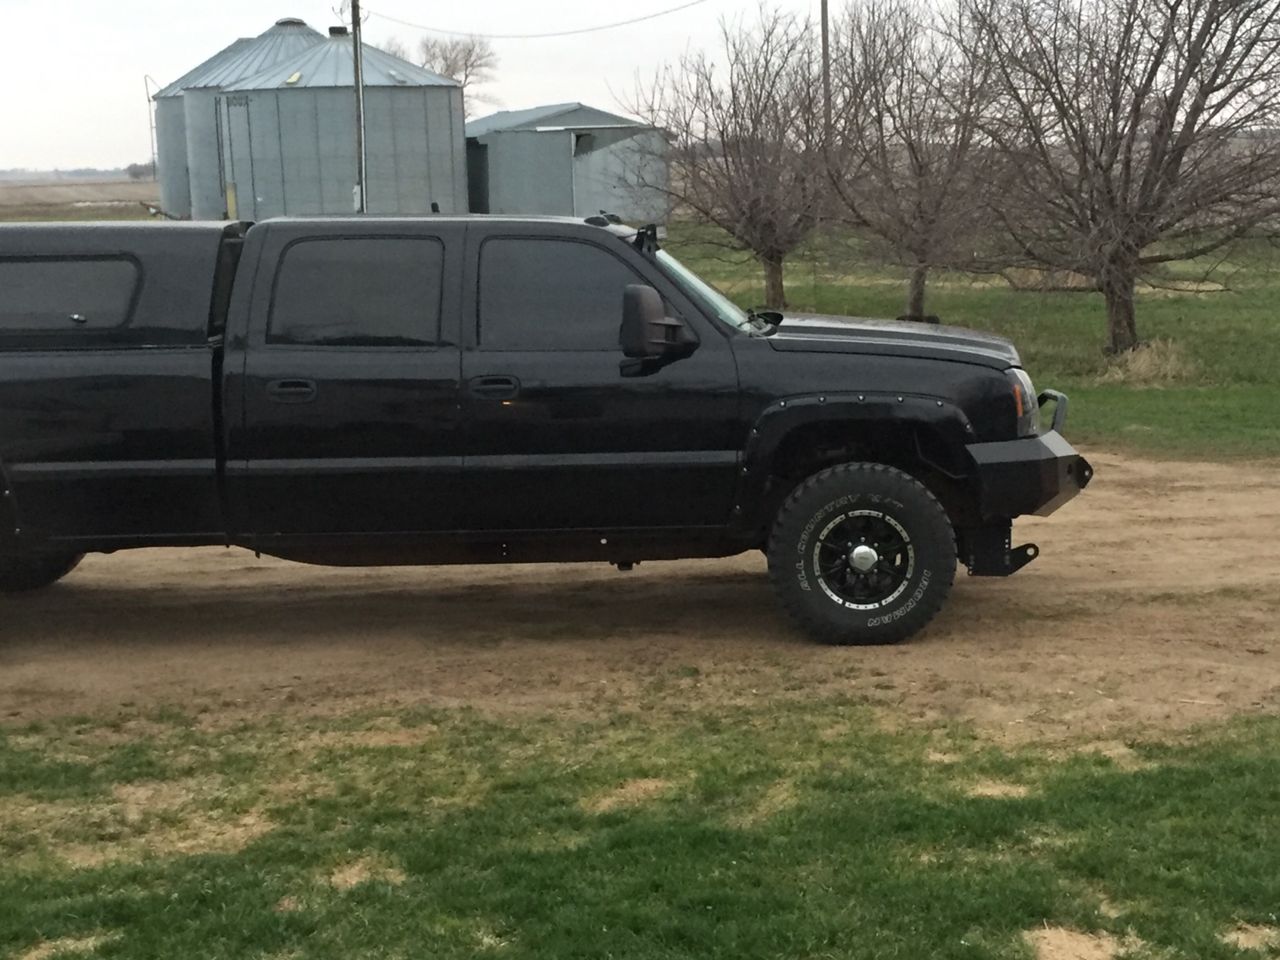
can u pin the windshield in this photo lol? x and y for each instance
(710, 297)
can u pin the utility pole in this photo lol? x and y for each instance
(147, 83)
(826, 73)
(362, 160)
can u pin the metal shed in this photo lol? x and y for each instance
(288, 145)
(186, 118)
(568, 159)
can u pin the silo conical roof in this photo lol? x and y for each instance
(331, 63)
(247, 56)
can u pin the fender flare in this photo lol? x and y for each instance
(784, 416)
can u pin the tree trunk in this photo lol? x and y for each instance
(775, 296)
(1118, 291)
(915, 293)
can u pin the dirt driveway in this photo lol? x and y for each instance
(1154, 604)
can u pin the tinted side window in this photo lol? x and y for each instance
(358, 291)
(44, 295)
(550, 295)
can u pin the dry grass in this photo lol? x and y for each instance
(1156, 363)
(997, 789)
(367, 869)
(64, 946)
(629, 794)
(778, 797)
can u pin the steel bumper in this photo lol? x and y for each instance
(1033, 475)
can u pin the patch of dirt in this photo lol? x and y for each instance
(1142, 613)
(996, 788)
(1059, 943)
(1249, 936)
(288, 904)
(630, 794)
(49, 948)
(368, 869)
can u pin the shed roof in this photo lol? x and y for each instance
(247, 56)
(561, 115)
(331, 63)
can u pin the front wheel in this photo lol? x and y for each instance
(862, 553)
(22, 572)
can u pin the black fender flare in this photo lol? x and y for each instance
(942, 417)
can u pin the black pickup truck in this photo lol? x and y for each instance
(362, 391)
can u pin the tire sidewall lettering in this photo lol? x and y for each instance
(882, 502)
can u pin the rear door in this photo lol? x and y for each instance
(348, 419)
(557, 437)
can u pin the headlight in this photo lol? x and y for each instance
(1024, 402)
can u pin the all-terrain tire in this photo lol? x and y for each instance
(20, 573)
(854, 515)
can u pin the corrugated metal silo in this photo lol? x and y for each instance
(186, 117)
(171, 134)
(288, 141)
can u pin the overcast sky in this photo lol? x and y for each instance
(71, 74)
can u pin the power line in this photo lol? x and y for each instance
(538, 36)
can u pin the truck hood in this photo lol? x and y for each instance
(812, 333)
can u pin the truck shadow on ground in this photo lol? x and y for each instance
(368, 607)
(313, 606)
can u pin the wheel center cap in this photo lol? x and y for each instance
(862, 558)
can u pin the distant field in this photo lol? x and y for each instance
(72, 200)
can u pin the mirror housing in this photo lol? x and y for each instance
(647, 332)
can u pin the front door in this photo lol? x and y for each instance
(350, 387)
(557, 437)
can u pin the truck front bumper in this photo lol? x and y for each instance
(1033, 475)
(1013, 478)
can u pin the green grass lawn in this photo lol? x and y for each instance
(1219, 405)
(801, 830)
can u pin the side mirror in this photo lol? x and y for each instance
(647, 332)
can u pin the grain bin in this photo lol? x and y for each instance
(186, 117)
(288, 141)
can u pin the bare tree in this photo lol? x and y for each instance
(902, 152)
(394, 46)
(1134, 133)
(470, 61)
(745, 149)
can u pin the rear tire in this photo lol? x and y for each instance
(20, 573)
(862, 553)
